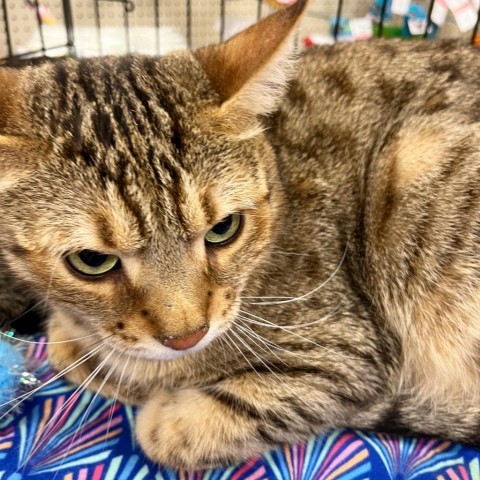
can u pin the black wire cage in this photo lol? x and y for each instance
(97, 22)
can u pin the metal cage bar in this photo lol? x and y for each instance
(189, 23)
(338, 17)
(17, 58)
(40, 26)
(7, 28)
(67, 14)
(382, 19)
(475, 29)
(259, 9)
(222, 20)
(429, 18)
(156, 7)
(43, 48)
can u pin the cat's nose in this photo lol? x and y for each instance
(187, 341)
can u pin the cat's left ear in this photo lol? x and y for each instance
(17, 151)
(251, 71)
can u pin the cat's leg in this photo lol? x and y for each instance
(238, 418)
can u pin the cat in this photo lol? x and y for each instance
(250, 244)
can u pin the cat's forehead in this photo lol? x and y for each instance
(120, 124)
(98, 103)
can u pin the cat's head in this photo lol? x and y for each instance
(138, 194)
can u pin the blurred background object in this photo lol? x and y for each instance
(35, 29)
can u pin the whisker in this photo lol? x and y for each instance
(89, 408)
(268, 298)
(249, 332)
(259, 357)
(284, 252)
(23, 340)
(78, 391)
(311, 292)
(274, 345)
(248, 347)
(232, 342)
(66, 370)
(49, 286)
(115, 399)
(273, 325)
(224, 351)
(132, 376)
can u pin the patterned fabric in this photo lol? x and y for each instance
(68, 436)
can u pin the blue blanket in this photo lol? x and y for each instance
(60, 434)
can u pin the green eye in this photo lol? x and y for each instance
(92, 263)
(224, 231)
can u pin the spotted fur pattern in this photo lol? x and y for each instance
(350, 296)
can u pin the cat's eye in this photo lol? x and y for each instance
(224, 231)
(88, 262)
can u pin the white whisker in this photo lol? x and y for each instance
(249, 348)
(264, 323)
(274, 345)
(79, 390)
(265, 363)
(22, 340)
(89, 408)
(66, 370)
(115, 400)
(250, 333)
(311, 292)
(227, 336)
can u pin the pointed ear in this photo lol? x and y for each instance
(251, 71)
(17, 151)
(10, 100)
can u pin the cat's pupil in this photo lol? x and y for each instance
(92, 259)
(221, 228)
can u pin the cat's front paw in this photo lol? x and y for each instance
(189, 429)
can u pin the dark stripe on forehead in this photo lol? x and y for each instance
(86, 79)
(168, 102)
(102, 124)
(177, 134)
(107, 84)
(140, 92)
(131, 204)
(62, 80)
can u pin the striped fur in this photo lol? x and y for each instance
(350, 297)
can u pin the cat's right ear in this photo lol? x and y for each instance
(251, 71)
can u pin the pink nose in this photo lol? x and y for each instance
(186, 342)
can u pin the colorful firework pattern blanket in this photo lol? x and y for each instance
(68, 436)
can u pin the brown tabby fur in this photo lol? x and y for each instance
(361, 206)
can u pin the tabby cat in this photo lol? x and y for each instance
(251, 245)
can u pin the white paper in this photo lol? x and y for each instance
(417, 27)
(439, 12)
(361, 28)
(400, 7)
(464, 13)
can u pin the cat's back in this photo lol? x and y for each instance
(348, 102)
(362, 90)
(389, 132)
(392, 75)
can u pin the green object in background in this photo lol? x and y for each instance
(388, 31)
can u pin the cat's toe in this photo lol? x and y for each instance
(187, 429)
